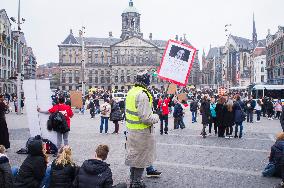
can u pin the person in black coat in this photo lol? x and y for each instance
(32, 172)
(63, 169)
(277, 157)
(115, 115)
(4, 134)
(6, 179)
(206, 115)
(220, 116)
(229, 120)
(239, 114)
(178, 115)
(95, 173)
(282, 118)
(92, 108)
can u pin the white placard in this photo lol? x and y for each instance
(177, 62)
(38, 94)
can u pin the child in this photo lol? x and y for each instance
(6, 180)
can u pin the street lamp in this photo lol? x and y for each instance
(19, 58)
(81, 34)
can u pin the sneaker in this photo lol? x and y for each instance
(166, 132)
(153, 174)
(137, 185)
(235, 136)
(227, 137)
(209, 134)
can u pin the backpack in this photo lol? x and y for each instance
(57, 122)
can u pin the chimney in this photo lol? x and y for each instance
(150, 36)
(71, 32)
(110, 34)
(176, 38)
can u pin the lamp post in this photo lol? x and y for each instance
(228, 33)
(81, 34)
(19, 57)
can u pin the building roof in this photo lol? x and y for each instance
(158, 43)
(3, 10)
(131, 8)
(213, 52)
(70, 39)
(243, 43)
(99, 41)
(259, 51)
(261, 43)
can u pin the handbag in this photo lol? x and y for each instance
(243, 114)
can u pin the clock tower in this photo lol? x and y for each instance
(130, 22)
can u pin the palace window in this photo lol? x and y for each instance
(122, 79)
(102, 80)
(116, 79)
(96, 80)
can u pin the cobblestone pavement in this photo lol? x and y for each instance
(186, 159)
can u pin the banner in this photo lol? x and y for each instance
(76, 99)
(38, 94)
(177, 62)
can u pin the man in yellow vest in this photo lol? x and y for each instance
(141, 144)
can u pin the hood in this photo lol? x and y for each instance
(93, 166)
(3, 159)
(35, 148)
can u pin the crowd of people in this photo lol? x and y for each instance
(142, 108)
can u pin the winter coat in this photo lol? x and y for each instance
(116, 114)
(278, 107)
(228, 118)
(61, 176)
(282, 117)
(269, 105)
(238, 107)
(32, 171)
(193, 106)
(277, 153)
(6, 178)
(94, 174)
(141, 144)
(178, 111)
(105, 109)
(213, 109)
(4, 134)
(205, 110)
(164, 105)
(219, 114)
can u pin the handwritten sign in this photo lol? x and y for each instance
(177, 62)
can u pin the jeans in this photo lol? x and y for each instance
(104, 121)
(193, 113)
(213, 120)
(136, 175)
(229, 130)
(203, 129)
(59, 139)
(250, 116)
(162, 119)
(116, 126)
(44, 182)
(241, 129)
(178, 123)
(92, 112)
(258, 114)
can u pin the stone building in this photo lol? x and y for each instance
(212, 68)
(29, 64)
(49, 71)
(258, 58)
(112, 63)
(275, 57)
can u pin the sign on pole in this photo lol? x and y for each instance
(177, 62)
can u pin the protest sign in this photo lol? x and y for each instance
(76, 99)
(38, 94)
(177, 62)
(172, 89)
(182, 96)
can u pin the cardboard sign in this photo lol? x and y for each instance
(172, 89)
(182, 96)
(76, 99)
(177, 62)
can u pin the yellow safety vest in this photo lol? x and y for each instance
(132, 120)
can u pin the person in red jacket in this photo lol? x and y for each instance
(163, 107)
(67, 112)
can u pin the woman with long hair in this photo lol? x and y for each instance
(220, 116)
(229, 118)
(63, 169)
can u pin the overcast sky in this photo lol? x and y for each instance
(48, 22)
